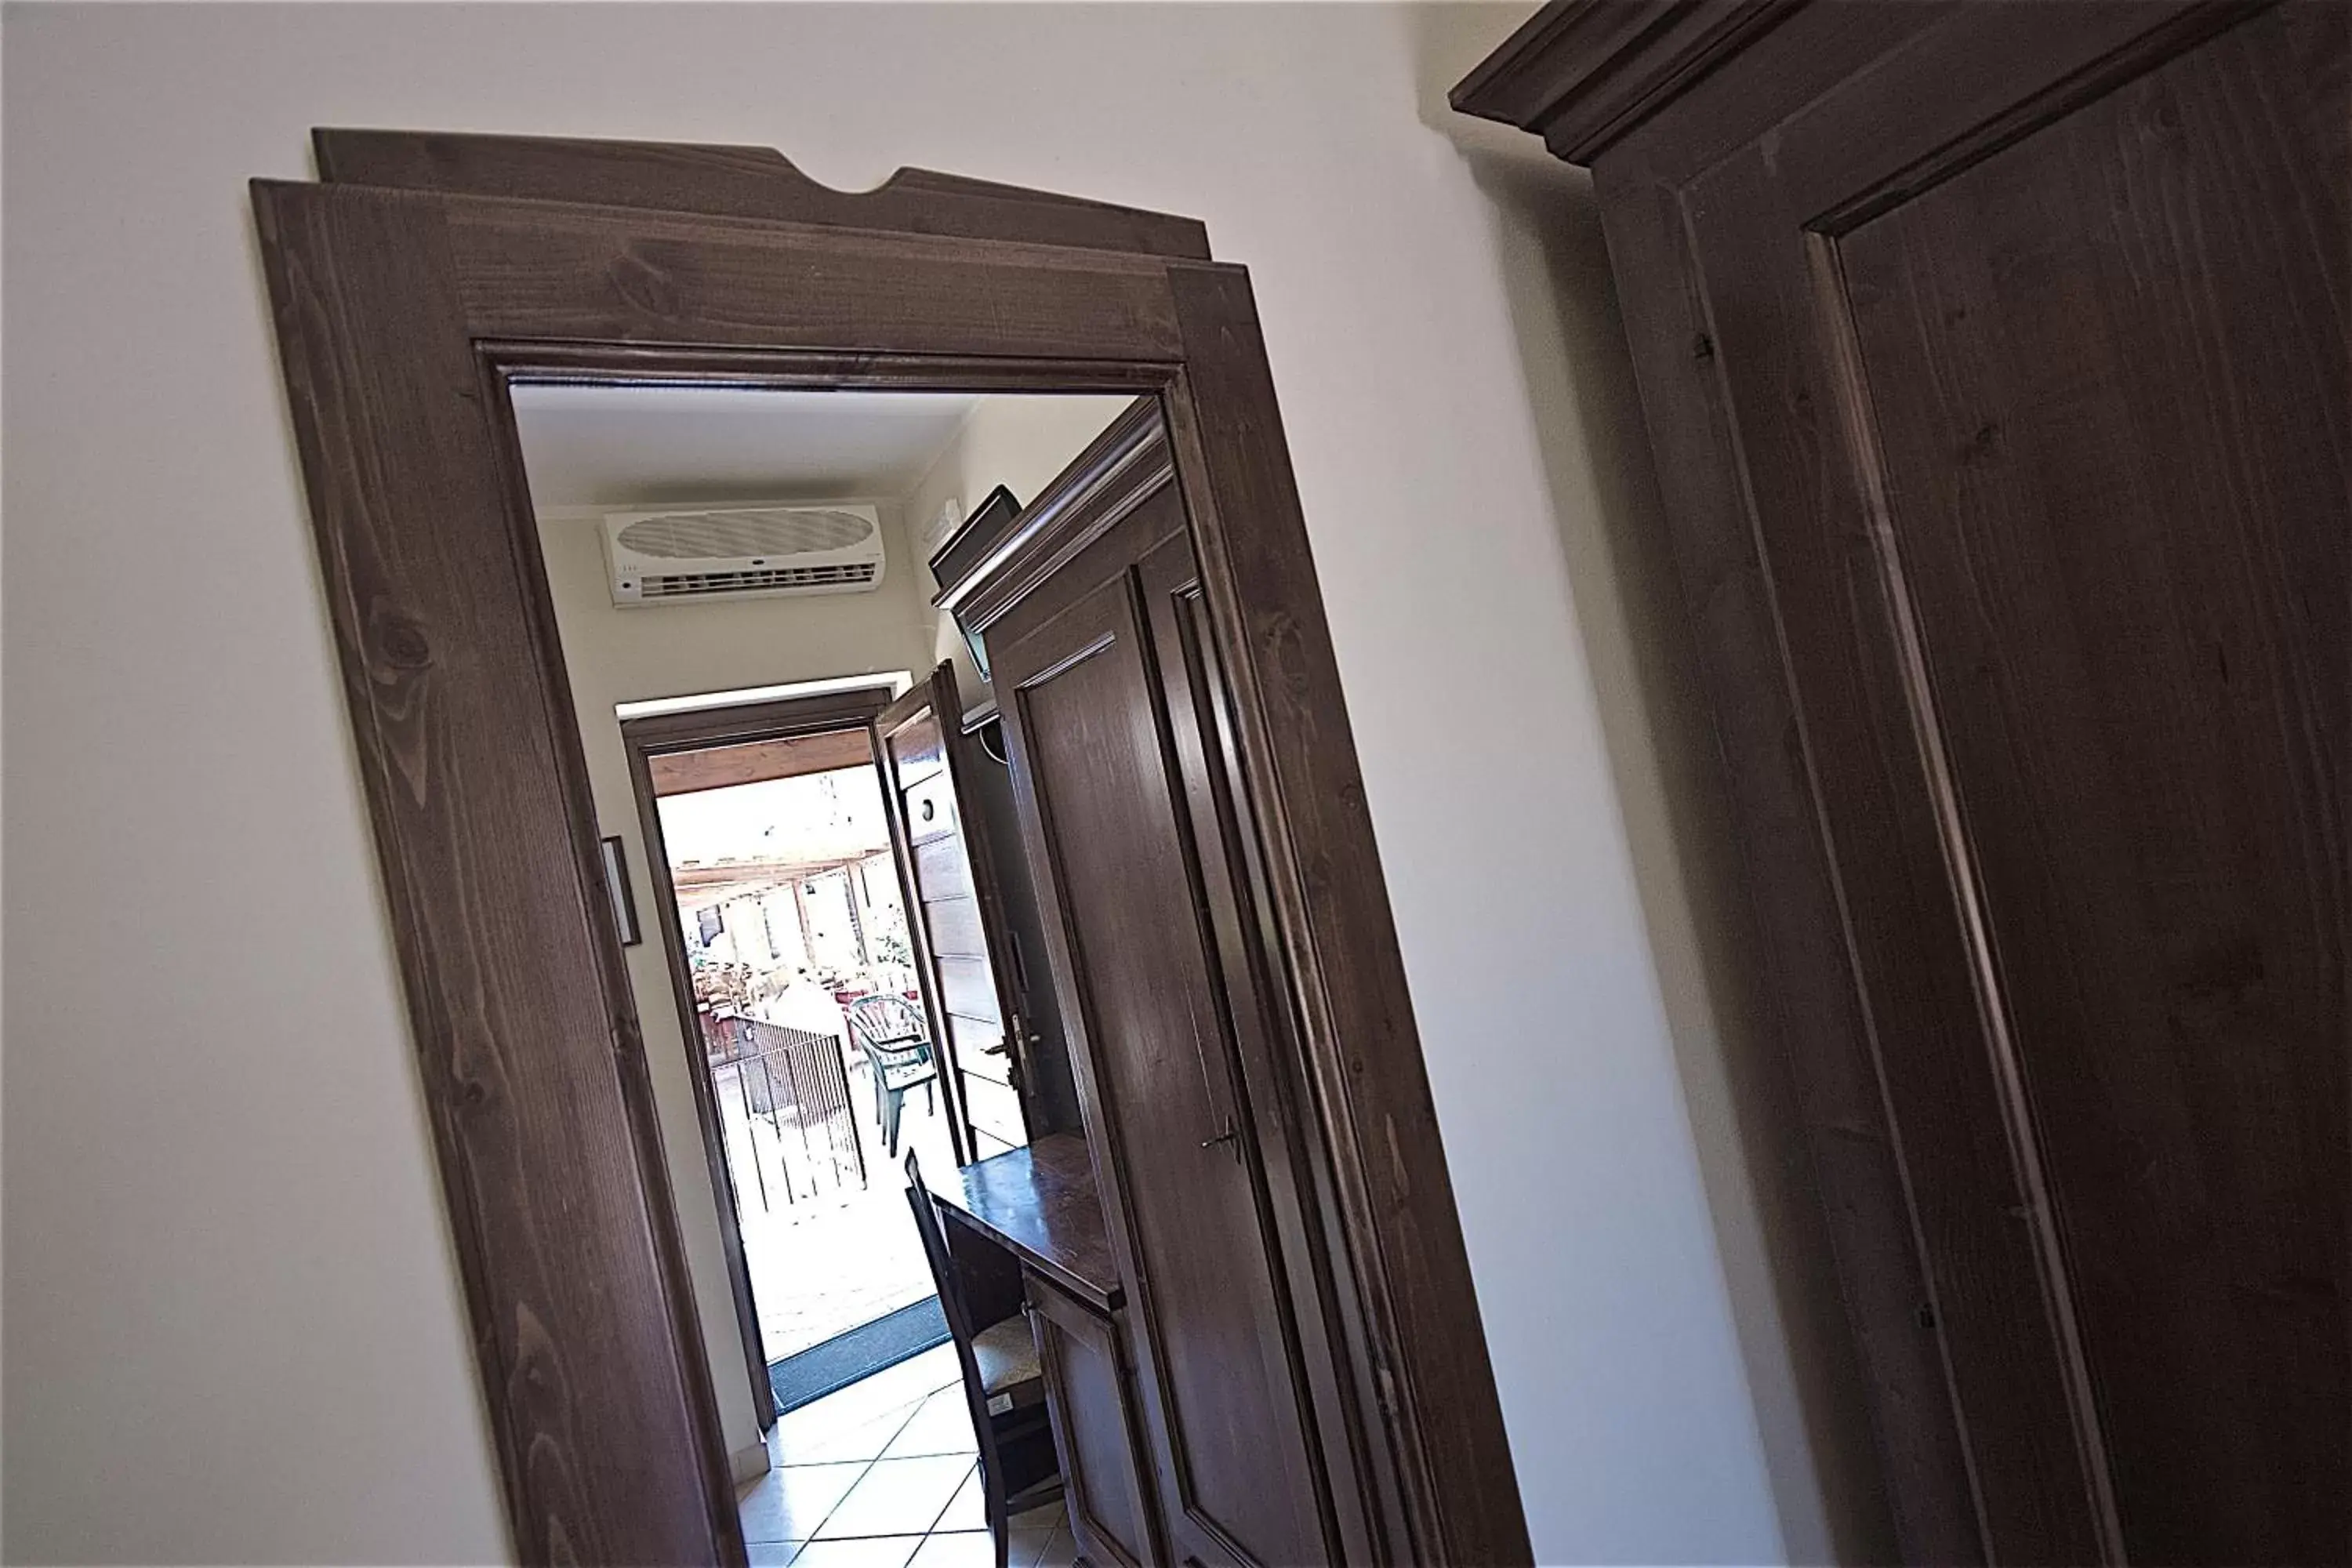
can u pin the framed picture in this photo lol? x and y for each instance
(617, 882)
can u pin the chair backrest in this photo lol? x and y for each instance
(952, 1303)
(884, 1019)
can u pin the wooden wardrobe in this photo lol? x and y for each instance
(1995, 363)
(1116, 714)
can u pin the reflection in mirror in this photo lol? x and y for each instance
(841, 959)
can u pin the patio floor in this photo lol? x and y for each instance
(826, 1261)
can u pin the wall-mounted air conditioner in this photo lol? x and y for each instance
(742, 551)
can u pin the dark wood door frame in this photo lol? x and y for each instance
(410, 288)
(702, 730)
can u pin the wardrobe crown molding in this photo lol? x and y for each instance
(1583, 73)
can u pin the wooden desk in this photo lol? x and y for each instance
(1040, 1205)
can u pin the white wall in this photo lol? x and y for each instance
(1659, 736)
(232, 1327)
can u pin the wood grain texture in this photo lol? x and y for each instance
(1041, 1202)
(817, 369)
(535, 271)
(2128, 557)
(1986, 456)
(828, 714)
(1797, 977)
(1974, 1208)
(758, 761)
(475, 831)
(1583, 73)
(1098, 1430)
(533, 287)
(740, 181)
(1154, 1031)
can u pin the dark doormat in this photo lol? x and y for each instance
(861, 1353)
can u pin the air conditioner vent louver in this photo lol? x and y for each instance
(745, 532)
(680, 586)
(743, 551)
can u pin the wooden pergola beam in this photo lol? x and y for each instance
(756, 762)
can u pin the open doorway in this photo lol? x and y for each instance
(798, 966)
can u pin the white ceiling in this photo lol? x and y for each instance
(623, 446)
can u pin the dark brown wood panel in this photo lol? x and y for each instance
(2133, 606)
(1796, 980)
(748, 723)
(1565, 70)
(1118, 868)
(621, 292)
(623, 275)
(1985, 1291)
(918, 747)
(1996, 358)
(509, 960)
(1091, 1392)
(1373, 1179)
(740, 181)
(682, 772)
(1041, 1203)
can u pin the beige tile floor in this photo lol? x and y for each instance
(885, 1474)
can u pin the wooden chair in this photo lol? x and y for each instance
(891, 1032)
(1002, 1381)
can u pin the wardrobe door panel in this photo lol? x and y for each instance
(1090, 1395)
(2115, 448)
(1136, 958)
(1996, 359)
(2048, 464)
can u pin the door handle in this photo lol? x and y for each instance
(1227, 1136)
(1016, 1073)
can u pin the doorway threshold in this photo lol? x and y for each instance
(822, 1369)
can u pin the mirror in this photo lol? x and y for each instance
(1196, 1253)
(742, 583)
